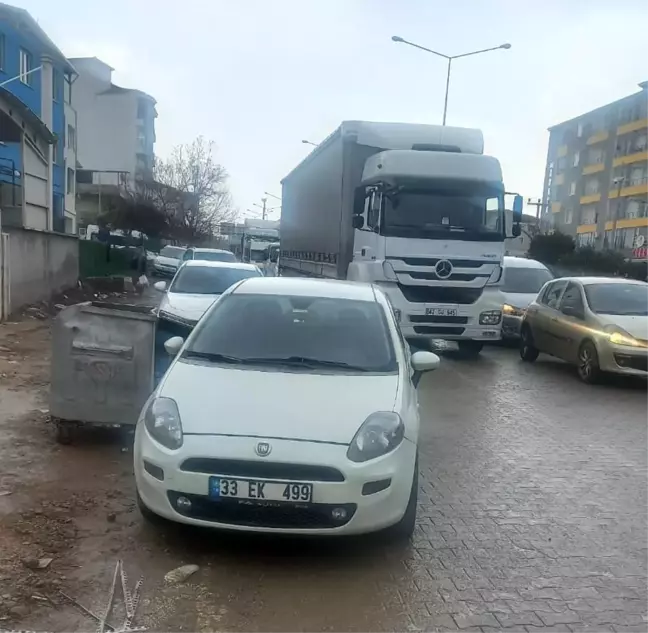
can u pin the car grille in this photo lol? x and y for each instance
(273, 514)
(440, 294)
(263, 470)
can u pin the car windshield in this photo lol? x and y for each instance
(214, 256)
(622, 299)
(304, 333)
(209, 280)
(172, 252)
(525, 280)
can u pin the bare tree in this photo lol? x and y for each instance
(191, 190)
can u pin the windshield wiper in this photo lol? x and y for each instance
(303, 361)
(213, 357)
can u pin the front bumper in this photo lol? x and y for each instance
(622, 359)
(464, 325)
(366, 511)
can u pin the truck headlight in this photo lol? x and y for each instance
(490, 317)
(379, 434)
(162, 420)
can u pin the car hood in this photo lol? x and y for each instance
(519, 299)
(187, 306)
(167, 261)
(262, 403)
(637, 326)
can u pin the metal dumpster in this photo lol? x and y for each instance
(102, 364)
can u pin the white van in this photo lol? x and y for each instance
(521, 281)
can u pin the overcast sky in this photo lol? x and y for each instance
(258, 76)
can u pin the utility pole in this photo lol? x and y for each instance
(263, 214)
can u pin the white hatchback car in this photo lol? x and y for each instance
(291, 408)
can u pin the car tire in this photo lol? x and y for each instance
(148, 515)
(588, 367)
(403, 530)
(528, 351)
(470, 349)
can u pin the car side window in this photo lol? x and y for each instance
(552, 294)
(572, 300)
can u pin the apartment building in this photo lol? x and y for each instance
(36, 165)
(596, 177)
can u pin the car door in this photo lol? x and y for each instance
(568, 327)
(546, 315)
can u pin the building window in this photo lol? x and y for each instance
(26, 65)
(56, 84)
(588, 214)
(569, 216)
(572, 188)
(70, 180)
(67, 90)
(576, 159)
(581, 129)
(591, 186)
(71, 137)
(142, 108)
(586, 239)
(596, 155)
(562, 163)
(55, 150)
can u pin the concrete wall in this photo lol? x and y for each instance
(40, 264)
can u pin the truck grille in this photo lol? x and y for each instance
(453, 277)
(426, 318)
(440, 294)
(439, 329)
(432, 261)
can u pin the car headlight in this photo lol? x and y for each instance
(512, 310)
(162, 420)
(379, 434)
(621, 337)
(490, 317)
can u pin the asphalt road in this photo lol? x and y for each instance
(533, 515)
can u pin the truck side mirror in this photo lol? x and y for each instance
(359, 197)
(518, 203)
(357, 221)
(516, 230)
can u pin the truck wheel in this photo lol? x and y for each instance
(470, 349)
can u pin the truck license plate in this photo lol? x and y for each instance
(450, 312)
(250, 489)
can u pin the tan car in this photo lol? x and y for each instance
(599, 324)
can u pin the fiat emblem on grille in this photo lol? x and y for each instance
(263, 449)
(443, 269)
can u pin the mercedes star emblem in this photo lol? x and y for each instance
(263, 449)
(443, 269)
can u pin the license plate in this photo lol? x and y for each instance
(251, 489)
(441, 311)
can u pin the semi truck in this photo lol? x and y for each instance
(418, 210)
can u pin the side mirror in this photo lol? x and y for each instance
(359, 196)
(160, 286)
(357, 222)
(425, 361)
(173, 345)
(518, 203)
(516, 230)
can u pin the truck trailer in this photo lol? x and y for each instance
(417, 210)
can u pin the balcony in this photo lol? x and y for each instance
(586, 228)
(635, 187)
(598, 137)
(628, 159)
(562, 151)
(556, 207)
(632, 126)
(594, 168)
(590, 198)
(559, 179)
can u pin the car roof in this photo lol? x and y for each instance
(210, 250)
(587, 281)
(202, 263)
(522, 262)
(301, 287)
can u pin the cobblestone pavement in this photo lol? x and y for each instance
(532, 517)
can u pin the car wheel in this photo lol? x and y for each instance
(148, 515)
(589, 370)
(528, 351)
(403, 530)
(470, 349)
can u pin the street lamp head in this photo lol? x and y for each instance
(505, 46)
(396, 38)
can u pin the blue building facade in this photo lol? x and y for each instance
(23, 44)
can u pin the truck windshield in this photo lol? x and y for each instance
(457, 213)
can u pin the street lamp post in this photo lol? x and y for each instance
(305, 142)
(449, 58)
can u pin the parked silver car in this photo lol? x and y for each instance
(599, 324)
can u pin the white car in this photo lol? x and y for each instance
(208, 254)
(168, 261)
(196, 286)
(291, 408)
